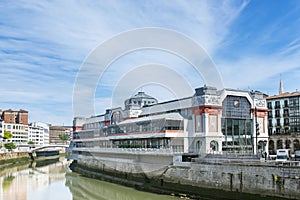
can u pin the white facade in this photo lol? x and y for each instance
(284, 121)
(19, 132)
(39, 133)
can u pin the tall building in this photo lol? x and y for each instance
(54, 133)
(39, 133)
(15, 117)
(210, 121)
(284, 120)
(16, 122)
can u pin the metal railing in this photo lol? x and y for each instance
(133, 150)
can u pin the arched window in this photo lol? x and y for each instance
(198, 146)
(260, 145)
(271, 147)
(214, 145)
(279, 144)
(296, 144)
(288, 144)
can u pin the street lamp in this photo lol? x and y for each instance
(256, 129)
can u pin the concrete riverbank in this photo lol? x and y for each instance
(218, 180)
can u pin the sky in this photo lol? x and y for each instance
(45, 44)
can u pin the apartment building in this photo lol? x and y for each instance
(284, 120)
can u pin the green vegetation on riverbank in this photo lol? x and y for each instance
(5, 162)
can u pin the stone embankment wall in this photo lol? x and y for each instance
(13, 155)
(195, 179)
(7, 159)
(281, 181)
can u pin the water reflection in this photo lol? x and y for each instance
(34, 180)
(86, 188)
(51, 180)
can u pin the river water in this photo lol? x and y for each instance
(51, 180)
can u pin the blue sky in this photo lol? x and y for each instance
(44, 43)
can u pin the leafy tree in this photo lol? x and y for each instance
(10, 145)
(7, 135)
(64, 137)
(30, 142)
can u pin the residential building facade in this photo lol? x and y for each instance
(54, 132)
(16, 122)
(39, 133)
(15, 116)
(19, 133)
(284, 121)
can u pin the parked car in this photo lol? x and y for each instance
(297, 155)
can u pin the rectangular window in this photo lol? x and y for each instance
(286, 103)
(277, 104)
(277, 113)
(270, 131)
(270, 105)
(270, 123)
(213, 123)
(270, 114)
(198, 123)
(278, 122)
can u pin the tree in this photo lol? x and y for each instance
(10, 146)
(30, 142)
(7, 135)
(64, 137)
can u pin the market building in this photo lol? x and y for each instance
(209, 122)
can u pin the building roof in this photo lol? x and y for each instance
(142, 95)
(284, 95)
(20, 111)
(167, 116)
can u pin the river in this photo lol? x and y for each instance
(51, 180)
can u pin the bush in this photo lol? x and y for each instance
(10, 145)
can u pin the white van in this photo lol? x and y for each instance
(283, 155)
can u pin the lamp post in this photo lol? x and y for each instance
(256, 129)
